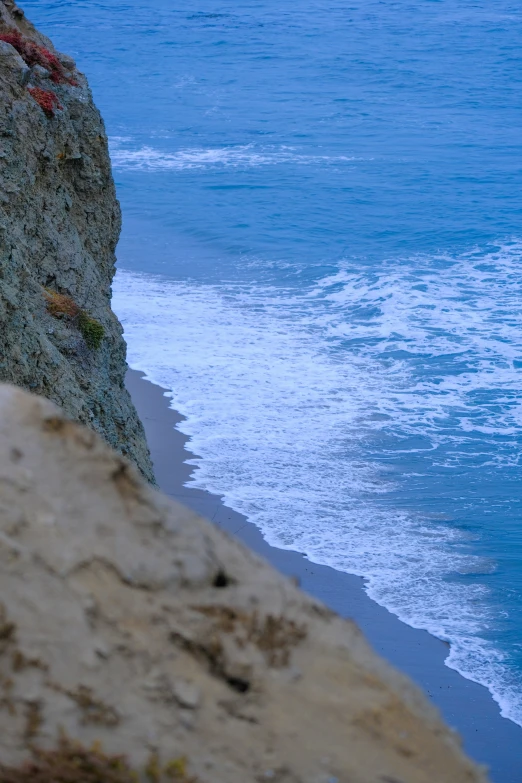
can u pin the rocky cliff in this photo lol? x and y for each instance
(59, 225)
(131, 625)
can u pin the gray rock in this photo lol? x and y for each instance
(59, 225)
(67, 62)
(39, 72)
(11, 60)
(187, 694)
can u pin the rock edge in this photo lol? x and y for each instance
(59, 225)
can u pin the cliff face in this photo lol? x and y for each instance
(59, 225)
(127, 620)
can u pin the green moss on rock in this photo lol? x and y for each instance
(91, 329)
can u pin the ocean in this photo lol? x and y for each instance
(322, 259)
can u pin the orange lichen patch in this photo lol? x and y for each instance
(46, 100)
(60, 305)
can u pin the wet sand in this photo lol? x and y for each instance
(466, 706)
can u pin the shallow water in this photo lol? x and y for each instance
(321, 257)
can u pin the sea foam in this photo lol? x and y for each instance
(289, 393)
(125, 155)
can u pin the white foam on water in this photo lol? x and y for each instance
(468, 311)
(147, 158)
(283, 391)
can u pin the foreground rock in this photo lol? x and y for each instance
(59, 224)
(128, 620)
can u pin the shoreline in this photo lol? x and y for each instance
(468, 707)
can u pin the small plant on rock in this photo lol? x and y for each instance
(64, 307)
(60, 305)
(91, 329)
(34, 54)
(46, 100)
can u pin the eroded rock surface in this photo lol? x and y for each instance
(127, 619)
(59, 225)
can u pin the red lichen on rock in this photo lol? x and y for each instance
(46, 99)
(34, 54)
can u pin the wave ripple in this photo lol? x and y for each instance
(324, 413)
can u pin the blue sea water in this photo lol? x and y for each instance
(322, 259)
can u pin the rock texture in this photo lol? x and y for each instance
(59, 225)
(127, 619)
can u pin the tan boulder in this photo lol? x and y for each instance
(127, 619)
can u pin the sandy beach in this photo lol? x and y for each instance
(466, 706)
